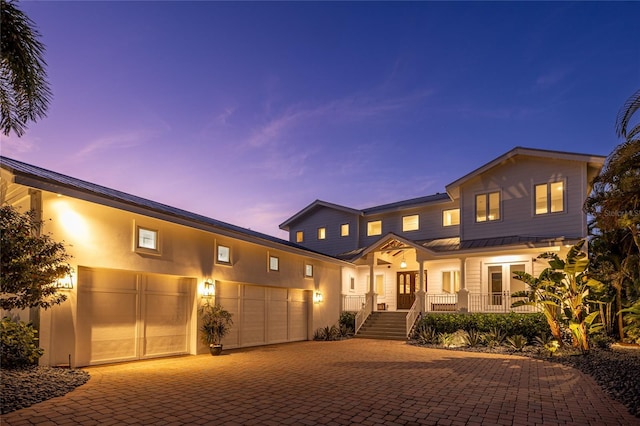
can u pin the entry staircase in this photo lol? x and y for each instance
(384, 326)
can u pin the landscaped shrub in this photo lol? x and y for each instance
(348, 319)
(473, 338)
(18, 343)
(494, 337)
(327, 333)
(517, 342)
(529, 325)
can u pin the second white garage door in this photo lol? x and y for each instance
(264, 315)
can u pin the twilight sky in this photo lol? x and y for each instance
(247, 112)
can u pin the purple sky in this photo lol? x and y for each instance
(247, 112)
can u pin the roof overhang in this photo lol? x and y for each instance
(316, 205)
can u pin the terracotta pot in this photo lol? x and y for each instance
(215, 349)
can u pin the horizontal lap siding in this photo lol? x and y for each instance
(516, 181)
(331, 220)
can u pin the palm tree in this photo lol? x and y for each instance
(624, 116)
(24, 90)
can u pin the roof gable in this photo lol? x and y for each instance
(315, 206)
(597, 161)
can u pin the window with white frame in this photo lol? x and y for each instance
(549, 197)
(224, 254)
(322, 233)
(450, 281)
(374, 227)
(299, 237)
(410, 223)
(451, 217)
(344, 230)
(274, 263)
(308, 270)
(488, 207)
(147, 240)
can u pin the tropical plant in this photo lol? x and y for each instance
(216, 323)
(632, 321)
(18, 344)
(327, 333)
(563, 289)
(446, 339)
(425, 334)
(348, 319)
(30, 262)
(548, 343)
(517, 342)
(24, 92)
(494, 338)
(473, 338)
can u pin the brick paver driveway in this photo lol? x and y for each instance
(336, 383)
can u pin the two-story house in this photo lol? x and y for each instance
(456, 250)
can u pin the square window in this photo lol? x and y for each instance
(549, 197)
(322, 233)
(224, 254)
(374, 228)
(147, 239)
(274, 263)
(410, 223)
(299, 237)
(451, 217)
(308, 271)
(344, 230)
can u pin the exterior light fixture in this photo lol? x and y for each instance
(317, 297)
(65, 283)
(209, 288)
(403, 263)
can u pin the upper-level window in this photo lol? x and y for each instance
(549, 197)
(274, 263)
(322, 233)
(374, 227)
(488, 206)
(299, 237)
(344, 230)
(224, 254)
(410, 223)
(451, 217)
(147, 240)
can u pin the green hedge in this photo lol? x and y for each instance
(529, 325)
(18, 344)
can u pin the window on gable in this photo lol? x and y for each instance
(147, 240)
(344, 230)
(374, 228)
(410, 223)
(274, 263)
(299, 237)
(322, 233)
(224, 254)
(451, 217)
(488, 207)
(450, 281)
(549, 197)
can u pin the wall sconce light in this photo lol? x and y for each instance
(403, 263)
(317, 297)
(209, 288)
(65, 283)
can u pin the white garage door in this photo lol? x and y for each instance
(126, 316)
(263, 315)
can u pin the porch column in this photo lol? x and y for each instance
(421, 294)
(463, 293)
(371, 295)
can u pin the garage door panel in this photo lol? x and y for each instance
(277, 321)
(113, 325)
(298, 320)
(227, 295)
(165, 321)
(253, 322)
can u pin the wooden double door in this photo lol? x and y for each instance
(407, 283)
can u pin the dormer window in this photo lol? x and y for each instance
(488, 207)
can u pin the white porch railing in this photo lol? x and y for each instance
(363, 313)
(352, 303)
(496, 302)
(412, 316)
(442, 302)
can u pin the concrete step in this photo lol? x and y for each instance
(384, 326)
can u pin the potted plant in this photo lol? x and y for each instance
(216, 323)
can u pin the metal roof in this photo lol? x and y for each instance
(36, 174)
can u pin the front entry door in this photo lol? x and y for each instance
(406, 282)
